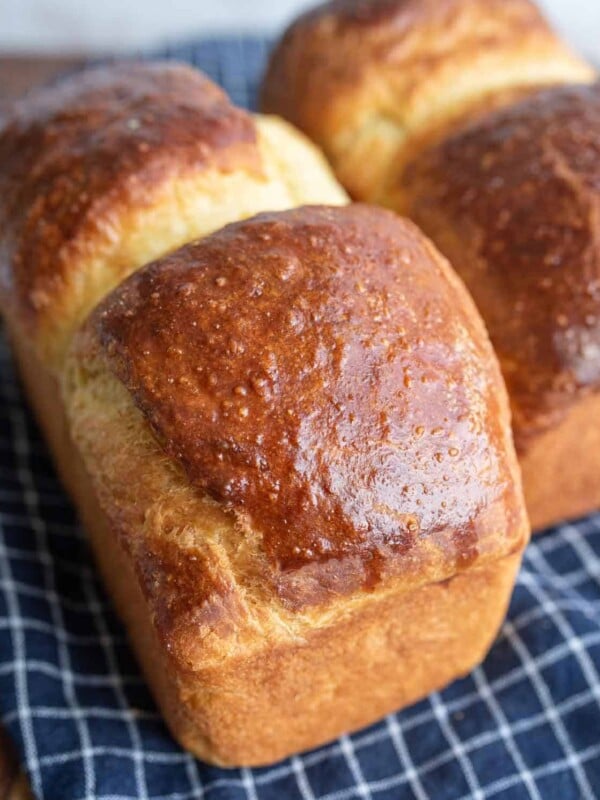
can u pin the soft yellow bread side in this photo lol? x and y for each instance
(187, 207)
(117, 166)
(373, 81)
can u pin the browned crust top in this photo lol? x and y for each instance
(402, 15)
(322, 374)
(326, 52)
(514, 201)
(72, 153)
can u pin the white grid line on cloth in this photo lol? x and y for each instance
(456, 746)
(304, 786)
(545, 697)
(505, 732)
(193, 774)
(151, 756)
(131, 722)
(474, 743)
(54, 712)
(21, 450)
(248, 782)
(538, 613)
(565, 604)
(569, 580)
(33, 665)
(49, 499)
(362, 789)
(44, 558)
(44, 594)
(573, 578)
(406, 762)
(41, 478)
(65, 529)
(62, 635)
(37, 448)
(548, 769)
(20, 682)
(554, 610)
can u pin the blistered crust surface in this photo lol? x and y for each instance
(372, 81)
(71, 154)
(514, 201)
(395, 48)
(323, 375)
(339, 42)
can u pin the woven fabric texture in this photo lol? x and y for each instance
(526, 724)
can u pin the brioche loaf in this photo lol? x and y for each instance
(110, 168)
(320, 441)
(514, 202)
(284, 438)
(374, 81)
(115, 166)
(448, 98)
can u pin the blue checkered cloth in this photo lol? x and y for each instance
(526, 724)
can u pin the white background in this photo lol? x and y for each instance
(102, 25)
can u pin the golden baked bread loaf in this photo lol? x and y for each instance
(514, 201)
(320, 442)
(115, 166)
(432, 118)
(284, 438)
(373, 81)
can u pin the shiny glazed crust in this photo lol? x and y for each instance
(249, 661)
(299, 690)
(286, 692)
(322, 376)
(513, 201)
(117, 165)
(373, 81)
(431, 118)
(249, 646)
